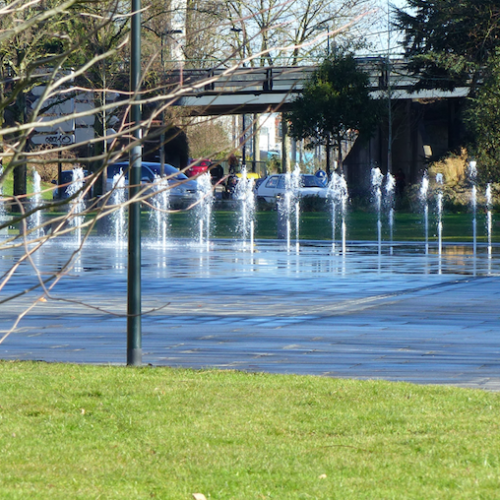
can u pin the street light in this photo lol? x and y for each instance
(243, 125)
(322, 27)
(162, 135)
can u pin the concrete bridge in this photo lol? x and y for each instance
(240, 90)
(425, 124)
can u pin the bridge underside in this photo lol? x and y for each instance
(240, 102)
(423, 131)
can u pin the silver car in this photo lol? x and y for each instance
(274, 187)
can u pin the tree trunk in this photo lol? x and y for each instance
(20, 181)
(328, 161)
(99, 147)
(340, 158)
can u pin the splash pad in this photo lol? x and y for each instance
(417, 311)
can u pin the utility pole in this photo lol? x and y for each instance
(134, 319)
(162, 135)
(284, 153)
(243, 117)
(389, 115)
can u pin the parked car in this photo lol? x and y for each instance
(257, 183)
(198, 167)
(183, 191)
(274, 187)
(66, 180)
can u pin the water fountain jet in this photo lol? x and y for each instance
(473, 177)
(376, 182)
(161, 205)
(489, 217)
(439, 181)
(75, 190)
(35, 220)
(423, 195)
(118, 200)
(244, 193)
(390, 187)
(204, 210)
(291, 204)
(338, 196)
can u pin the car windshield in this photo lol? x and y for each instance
(66, 176)
(310, 181)
(147, 168)
(170, 171)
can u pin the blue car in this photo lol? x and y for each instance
(183, 191)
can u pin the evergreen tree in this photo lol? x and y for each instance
(483, 120)
(448, 42)
(335, 103)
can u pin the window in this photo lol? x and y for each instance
(169, 170)
(147, 174)
(272, 182)
(310, 181)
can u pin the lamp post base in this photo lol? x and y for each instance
(134, 357)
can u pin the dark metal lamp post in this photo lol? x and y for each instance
(134, 333)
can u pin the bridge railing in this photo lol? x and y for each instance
(243, 80)
(383, 75)
(282, 79)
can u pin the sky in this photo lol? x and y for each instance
(379, 36)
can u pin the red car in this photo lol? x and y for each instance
(198, 167)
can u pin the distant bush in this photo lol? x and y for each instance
(456, 187)
(48, 170)
(453, 168)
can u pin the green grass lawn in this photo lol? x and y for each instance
(83, 432)
(8, 189)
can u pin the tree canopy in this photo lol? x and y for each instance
(457, 43)
(448, 42)
(335, 103)
(483, 120)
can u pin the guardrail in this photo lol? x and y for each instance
(279, 79)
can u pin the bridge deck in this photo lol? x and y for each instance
(264, 89)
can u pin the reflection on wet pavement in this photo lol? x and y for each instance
(402, 315)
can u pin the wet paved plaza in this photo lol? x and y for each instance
(400, 315)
